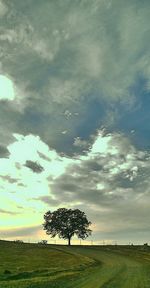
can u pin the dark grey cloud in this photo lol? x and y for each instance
(34, 166)
(9, 118)
(4, 153)
(82, 181)
(59, 67)
(127, 221)
(112, 188)
(22, 185)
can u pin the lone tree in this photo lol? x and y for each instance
(66, 223)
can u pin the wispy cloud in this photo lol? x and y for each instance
(20, 232)
(2, 211)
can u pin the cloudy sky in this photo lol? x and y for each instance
(74, 115)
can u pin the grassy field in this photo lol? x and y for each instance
(49, 266)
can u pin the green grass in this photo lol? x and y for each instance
(49, 266)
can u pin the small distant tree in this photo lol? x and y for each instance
(18, 241)
(145, 246)
(43, 242)
(66, 223)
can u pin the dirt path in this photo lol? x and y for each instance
(113, 271)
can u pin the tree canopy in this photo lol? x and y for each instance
(66, 223)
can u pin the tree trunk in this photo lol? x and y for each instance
(69, 241)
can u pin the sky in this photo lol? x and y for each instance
(74, 116)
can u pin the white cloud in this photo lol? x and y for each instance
(6, 88)
(19, 185)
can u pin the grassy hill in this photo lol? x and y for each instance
(23, 265)
(48, 266)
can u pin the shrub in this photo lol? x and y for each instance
(7, 272)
